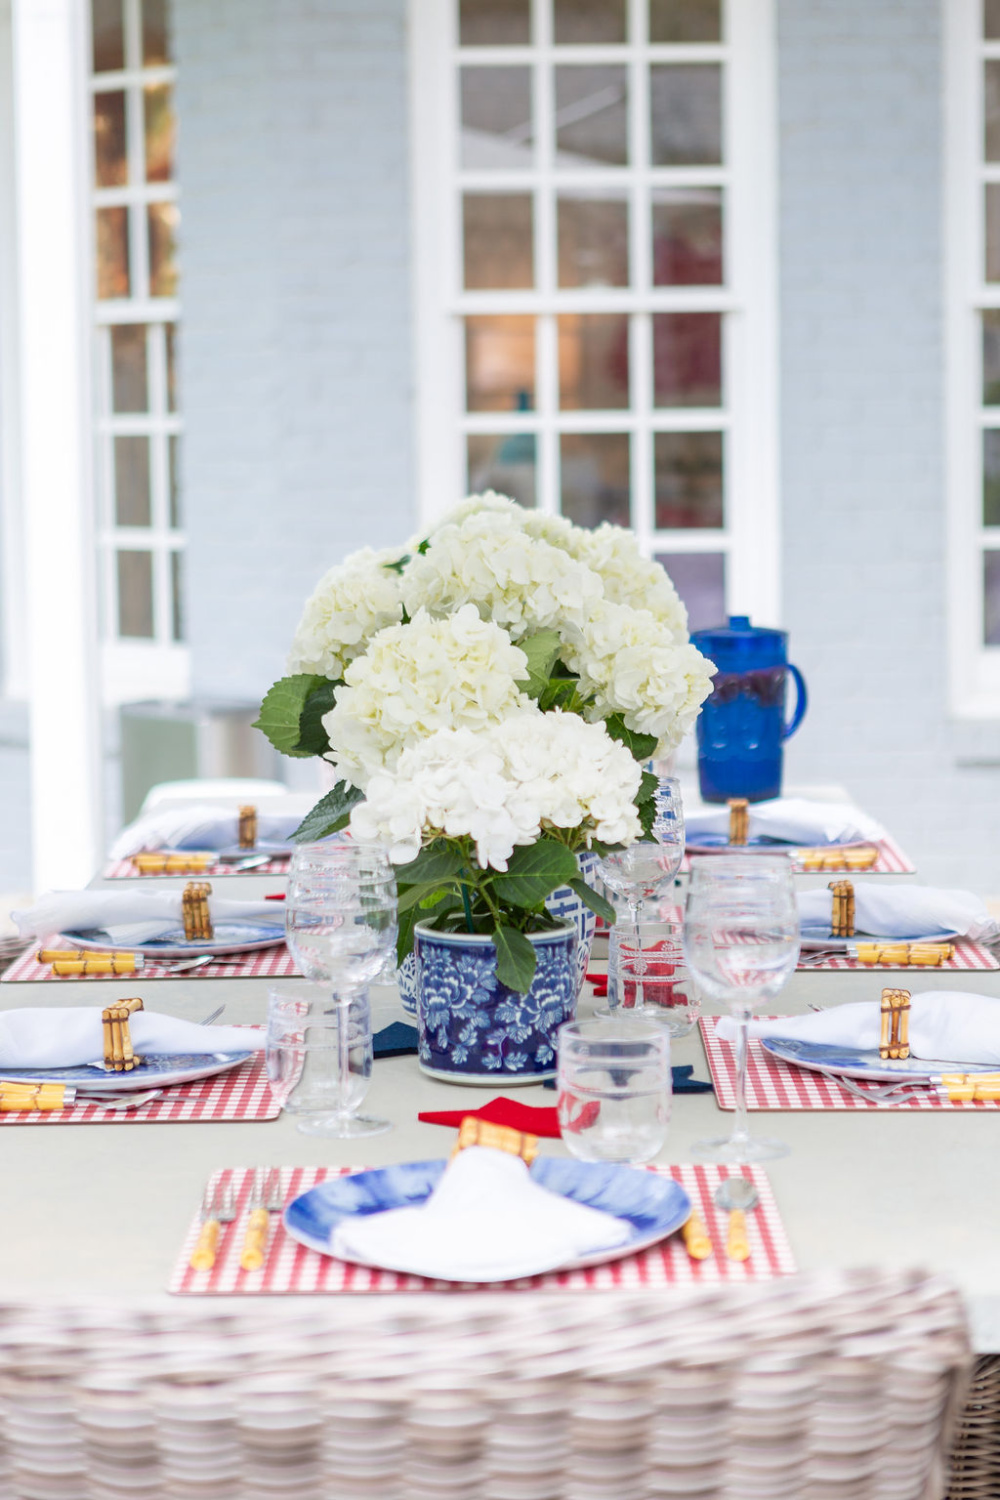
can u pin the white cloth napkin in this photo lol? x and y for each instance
(70, 1038)
(796, 819)
(203, 825)
(945, 1025)
(130, 917)
(486, 1220)
(882, 910)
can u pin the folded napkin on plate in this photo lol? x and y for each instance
(130, 917)
(904, 910)
(795, 819)
(69, 1037)
(204, 825)
(945, 1025)
(486, 1220)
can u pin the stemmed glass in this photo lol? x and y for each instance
(668, 829)
(741, 943)
(643, 870)
(340, 925)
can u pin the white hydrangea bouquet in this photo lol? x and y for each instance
(487, 695)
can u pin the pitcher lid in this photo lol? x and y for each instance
(760, 642)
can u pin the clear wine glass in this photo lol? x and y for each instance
(741, 943)
(668, 829)
(639, 873)
(340, 925)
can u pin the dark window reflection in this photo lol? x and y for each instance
(499, 363)
(132, 493)
(686, 110)
(688, 479)
(135, 595)
(687, 236)
(593, 361)
(685, 21)
(578, 22)
(991, 598)
(700, 579)
(595, 477)
(591, 116)
(108, 35)
(503, 463)
(494, 23)
(687, 359)
(498, 240)
(129, 383)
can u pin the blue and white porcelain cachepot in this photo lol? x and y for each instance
(563, 903)
(472, 1028)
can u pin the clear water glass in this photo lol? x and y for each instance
(614, 1087)
(648, 962)
(639, 873)
(303, 1053)
(668, 827)
(741, 943)
(340, 926)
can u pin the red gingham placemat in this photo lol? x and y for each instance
(776, 1085)
(291, 1268)
(124, 869)
(968, 955)
(891, 861)
(265, 963)
(242, 1094)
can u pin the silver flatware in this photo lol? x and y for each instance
(213, 1016)
(116, 1100)
(237, 862)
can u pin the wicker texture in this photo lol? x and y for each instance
(975, 1468)
(835, 1388)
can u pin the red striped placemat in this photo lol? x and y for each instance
(291, 1268)
(242, 1094)
(968, 955)
(124, 869)
(264, 963)
(777, 1085)
(891, 861)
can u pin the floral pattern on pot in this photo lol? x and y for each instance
(564, 903)
(472, 1028)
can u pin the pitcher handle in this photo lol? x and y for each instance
(801, 703)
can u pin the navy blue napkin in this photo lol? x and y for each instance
(396, 1040)
(683, 1082)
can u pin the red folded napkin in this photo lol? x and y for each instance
(529, 1118)
(600, 983)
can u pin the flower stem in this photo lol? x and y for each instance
(468, 908)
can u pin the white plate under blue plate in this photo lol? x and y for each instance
(158, 1071)
(862, 1062)
(652, 1205)
(230, 937)
(815, 936)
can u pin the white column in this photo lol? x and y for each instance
(52, 136)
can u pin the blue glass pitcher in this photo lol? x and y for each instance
(742, 727)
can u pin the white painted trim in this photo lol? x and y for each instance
(974, 676)
(13, 622)
(748, 414)
(50, 43)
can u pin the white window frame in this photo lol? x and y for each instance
(159, 667)
(748, 416)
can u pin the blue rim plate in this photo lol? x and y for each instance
(822, 937)
(654, 1206)
(160, 1070)
(718, 843)
(230, 937)
(862, 1062)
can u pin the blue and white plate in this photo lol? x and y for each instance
(652, 1205)
(862, 1062)
(813, 935)
(230, 937)
(157, 1071)
(761, 843)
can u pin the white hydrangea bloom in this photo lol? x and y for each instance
(633, 665)
(474, 505)
(348, 606)
(416, 678)
(629, 577)
(520, 582)
(502, 786)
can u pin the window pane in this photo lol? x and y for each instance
(991, 19)
(110, 162)
(991, 477)
(687, 359)
(688, 479)
(993, 231)
(135, 594)
(700, 579)
(163, 219)
(132, 502)
(505, 464)
(991, 598)
(685, 21)
(112, 253)
(593, 361)
(499, 364)
(687, 236)
(496, 117)
(170, 337)
(497, 233)
(155, 37)
(991, 358)
(494, 23)
(177, 595)
(581, 21)
(593, 241)
(686, 109)
(595, 477)
(174, 479)
(991, 110)
(108, 35)
(159, 123)
(591, 116)
(129, 385)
